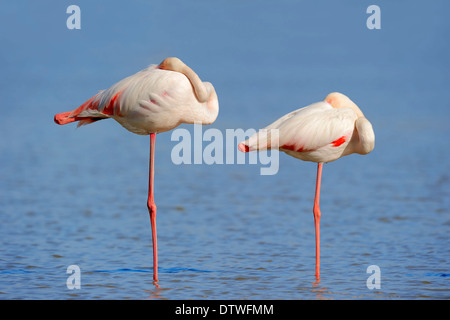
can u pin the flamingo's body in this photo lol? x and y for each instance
(154, 100)
(321, 132)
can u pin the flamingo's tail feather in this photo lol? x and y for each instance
(243, 147)
(64, 118)
(86, 113)
(67, 117)
(264, 139)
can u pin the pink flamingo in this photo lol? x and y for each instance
(154, 100)
(321, 132)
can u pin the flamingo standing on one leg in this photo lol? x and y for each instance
(154, 100)
(321, 132)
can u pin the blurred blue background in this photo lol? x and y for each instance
(77, 196)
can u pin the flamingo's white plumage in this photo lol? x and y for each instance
(321, 132)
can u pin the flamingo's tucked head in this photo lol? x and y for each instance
(171, 63)
(339, 100)
(175, 64)
(366, 136)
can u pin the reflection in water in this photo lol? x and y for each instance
(318, 290)
(155, 294)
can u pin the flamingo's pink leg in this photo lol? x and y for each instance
(152, 207)
(316, 211)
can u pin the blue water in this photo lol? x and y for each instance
(78, 196)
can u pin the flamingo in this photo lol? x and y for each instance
(321, 132)
(154, 100)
